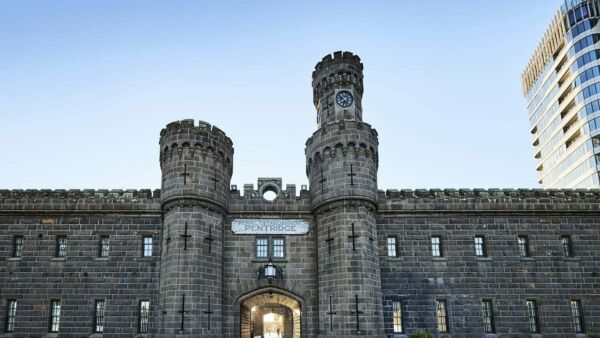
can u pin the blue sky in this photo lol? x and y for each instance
(86, 86)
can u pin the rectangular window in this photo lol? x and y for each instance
(567, 246)
(577, 316)
(532, 316)
(262, 247)
(488, 316)
(523, 246)
(61, 246)
(397, 316)
(147, 246)
(11, 314)
(17, 246)
(392, 246)
(144, 316)
(54, 315)
(436, 246)
(441, 315)
(480, 249)
(104, 247)
(99, 316)
(278, 248)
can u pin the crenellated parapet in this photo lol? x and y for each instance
(196, 162)
(337, 70)
(97, 194)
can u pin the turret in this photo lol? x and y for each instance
(196, 163)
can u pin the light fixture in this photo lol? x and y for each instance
(270, 271)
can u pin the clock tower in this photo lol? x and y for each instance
(338, 88)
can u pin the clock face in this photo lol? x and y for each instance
(344, 99)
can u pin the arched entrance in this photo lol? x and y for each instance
(270, 313)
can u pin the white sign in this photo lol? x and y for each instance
(248, 226)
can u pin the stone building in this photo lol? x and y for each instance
(202, 258)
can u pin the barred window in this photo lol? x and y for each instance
(54, 315)
(577, 316)
(523, 246)
(532, 316)
(262, 247)
(436, 246)
(442, 316)
(567, 246)
(61, 246)
(99, 315)
(392, 246)
(147, 246)
(11, 314)
(480, 249)
(488, 316)
(144, 316)
(397, 316)
(17, 246)
(104, 247)
(278, 248)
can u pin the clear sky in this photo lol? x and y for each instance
(86, 86)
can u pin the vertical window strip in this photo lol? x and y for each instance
(55, 315)
(488, 316)
(397, 316)
(567, 246)
(11, 314)
(278, 248)
(436, 246)
(523, 246)
(479, 246)
(392, 246)
(577, 317)
(99, 316)
(442, 316)
(144, 316)
(104, 247)
(17, 246)
(61, 246)
(147, 246)
(262, 247)
(532, 315)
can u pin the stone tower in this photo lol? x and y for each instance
(196, 164)
(342, 163)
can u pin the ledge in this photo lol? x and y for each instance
(105, 259)
(262, 260)
(58, 259)
(14, 259)
(527, 259)
(484, 259)
(439, 259)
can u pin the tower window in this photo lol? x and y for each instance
(147, 252)
(577, 316)
(441, 315)
(523, 246)
(11, 314)
(436, 246)
(99, 315)
(17, 246)
(397, 316)
(104, 247)
(532, 316)
(262, 247)
(278, 248)
(488, 316)
(61, 246)
(567, 246)
(480, 248)
(392, 246)
(54, 315)
(144, 316)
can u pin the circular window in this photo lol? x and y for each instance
(270, 192)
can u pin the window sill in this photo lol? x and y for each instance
(399, 335)
(266, 260)
(102, 259)
(96, 335)
(484, 259)
(572, 259)
(393, 259)
(58, 259)
(527, 259)
(14, 259)
(439, 259)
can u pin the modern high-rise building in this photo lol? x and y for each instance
(561, 85)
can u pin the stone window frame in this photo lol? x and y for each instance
(143, 241)
(17, 247)
(54, 318)
(400, 303)
(533, 319)
(577, 314)
(99, 319)
(440, 246)
(143, 326)
(101, 252)
(527, 243)
(566, 242)
(445, 316)
(60, 248)
(481, 249)
(270, 247)
(492, 319)
(390, 246)
(11, 314)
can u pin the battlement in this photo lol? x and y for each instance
(185, 126)
(493, 195)
(100, 194)
(337, 58)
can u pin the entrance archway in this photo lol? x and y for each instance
(270, 313)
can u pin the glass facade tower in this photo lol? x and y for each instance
(561, 85)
